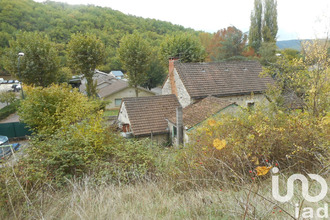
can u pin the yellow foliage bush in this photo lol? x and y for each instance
(231, 147)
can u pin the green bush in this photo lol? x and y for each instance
(8, 110)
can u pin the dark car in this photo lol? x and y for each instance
(11, 81)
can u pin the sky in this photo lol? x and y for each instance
(297, 19)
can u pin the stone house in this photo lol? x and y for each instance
(195, 115)
(232, 81)
(146, 116)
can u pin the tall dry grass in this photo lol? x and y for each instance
(162, 200)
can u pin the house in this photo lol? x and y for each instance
(114, 90)
(232, 81)
(117, 74)
(146, 116)
(196, 114)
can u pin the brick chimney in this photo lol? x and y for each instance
(171, 76)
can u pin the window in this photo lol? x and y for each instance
(125, 128)
(250, 105)
(117, 102)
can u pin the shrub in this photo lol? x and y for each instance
(7, 97)
(231, 147)
(56, 107)
(8, 110)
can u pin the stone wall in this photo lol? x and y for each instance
(183, 96)
(243, 100)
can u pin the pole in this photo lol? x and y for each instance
(19, 74)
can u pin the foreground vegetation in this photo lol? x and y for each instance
(83, 169)
(157, 200)
(76, 160)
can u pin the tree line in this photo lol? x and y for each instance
(60, 40)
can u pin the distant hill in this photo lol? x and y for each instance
(292, 44)
(60, 20)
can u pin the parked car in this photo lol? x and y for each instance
(7, 150)
(4, 82)
(11, 81)
(3, 140)
(16, 87)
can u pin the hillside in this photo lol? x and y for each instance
(292, 44)
(60, 20)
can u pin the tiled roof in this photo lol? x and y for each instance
(108, 85)
(148, 114)
(222, 78)
(198, 112)
(111, 88)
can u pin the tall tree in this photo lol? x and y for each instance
(263, 26)
(40, 64)
(269, 27)
(184, 46)
(86, 52)
(156, 72)
(255, 35)
(134, 52)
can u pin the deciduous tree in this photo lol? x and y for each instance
(86, 52)
(135, 54)
(227, 43)
(263, 26)
(255, 35)
(269, 27)
(186, 47)
(40, 64)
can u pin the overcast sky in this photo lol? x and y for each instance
(297, 19)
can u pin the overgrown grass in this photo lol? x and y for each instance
(160, 200)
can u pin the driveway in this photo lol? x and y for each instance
(11, 118)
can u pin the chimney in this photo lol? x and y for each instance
(171, 76)
(179, 126)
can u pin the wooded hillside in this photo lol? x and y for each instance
(60, 20)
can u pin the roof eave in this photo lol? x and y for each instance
(228, 94)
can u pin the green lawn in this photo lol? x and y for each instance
(113, 112)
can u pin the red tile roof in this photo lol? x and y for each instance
(148, 114)
(222, 78)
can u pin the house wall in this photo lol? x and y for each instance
(159, 138)
(183, 96)
(187, 133)
(243, 100)
(123, 116)
(174, 138)
(128, 92)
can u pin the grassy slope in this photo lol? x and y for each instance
(163, 200)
